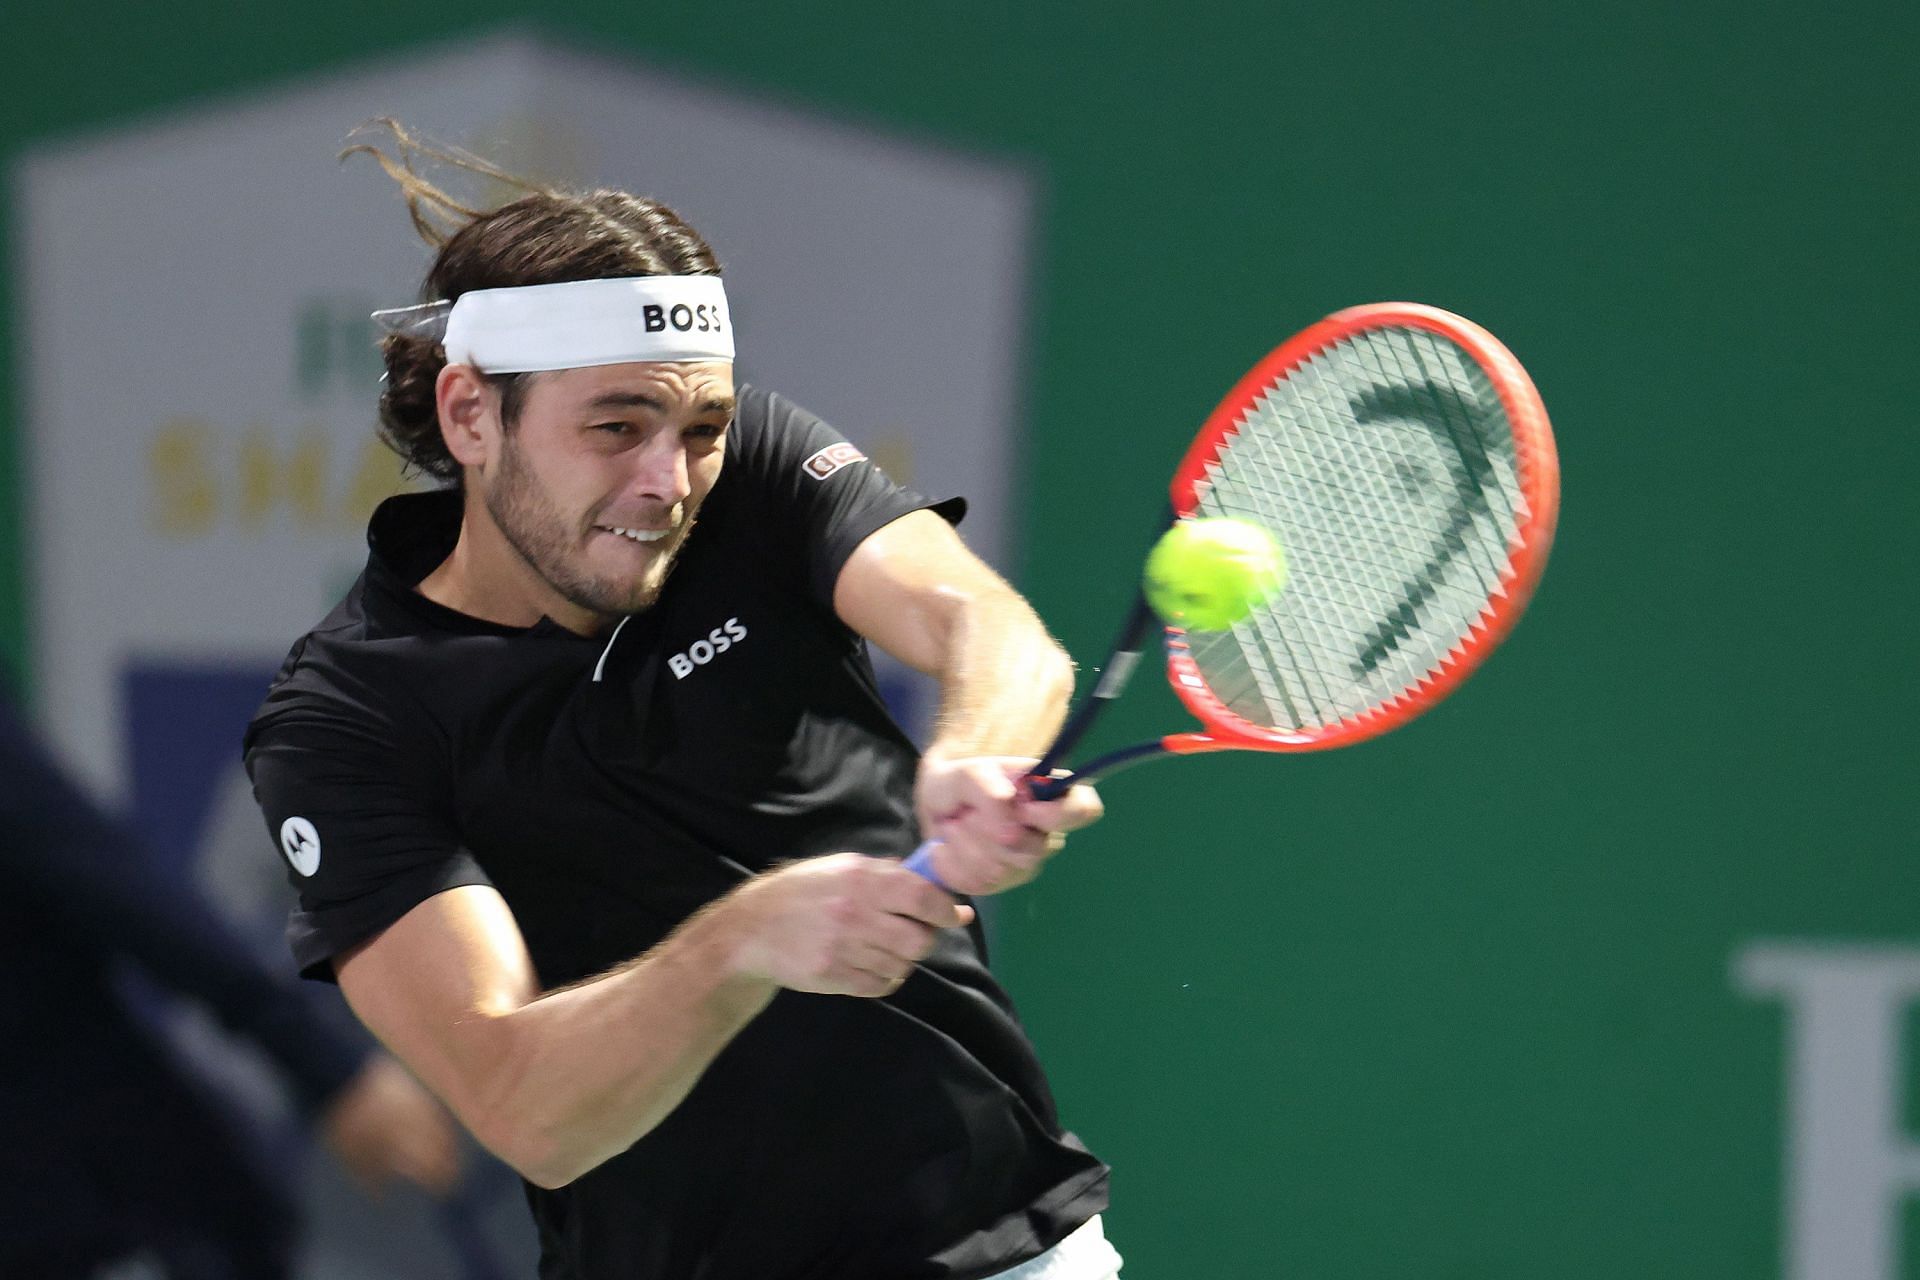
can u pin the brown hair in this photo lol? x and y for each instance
(544, 236)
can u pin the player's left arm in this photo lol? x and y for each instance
(914, 589)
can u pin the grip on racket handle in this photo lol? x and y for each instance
(920, 862)
(1039, 787)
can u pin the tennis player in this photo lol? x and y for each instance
(588, 792)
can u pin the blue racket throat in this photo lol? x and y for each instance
(1121, 664)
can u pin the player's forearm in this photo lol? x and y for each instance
(1004, 682)
(590, 1069)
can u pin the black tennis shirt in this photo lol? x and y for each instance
(608, 787)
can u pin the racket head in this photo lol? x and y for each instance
(1403, 460)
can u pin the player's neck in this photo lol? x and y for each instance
(487, 578)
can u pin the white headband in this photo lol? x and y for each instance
(577, 324)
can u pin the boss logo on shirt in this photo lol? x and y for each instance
(701, 652)
(831, 459)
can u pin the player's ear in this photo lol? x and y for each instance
(464, 401)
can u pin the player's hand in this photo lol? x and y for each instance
(383, 1125)
(993, 835)
(844, 924)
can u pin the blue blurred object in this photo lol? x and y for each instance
(112, 1146)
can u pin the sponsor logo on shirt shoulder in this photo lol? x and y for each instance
(831, 459)
(701, 652)
(300, 841)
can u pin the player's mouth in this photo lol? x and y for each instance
(636, 535)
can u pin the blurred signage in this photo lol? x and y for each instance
(1850, 1161)
(201, 375)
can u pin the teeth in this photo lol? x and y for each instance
(641, 535)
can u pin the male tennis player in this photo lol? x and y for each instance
(586, 789)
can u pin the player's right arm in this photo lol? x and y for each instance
(555, 1083)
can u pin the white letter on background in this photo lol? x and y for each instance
(1849, 1163)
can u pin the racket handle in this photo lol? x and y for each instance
(1042, 787)
(920, 862)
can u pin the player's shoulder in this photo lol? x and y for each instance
(772, 419)
(354, 674)
(758, 410)
(782, 440)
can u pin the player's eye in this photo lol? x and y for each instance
(613, 428)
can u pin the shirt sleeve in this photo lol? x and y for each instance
(356, 821)
(818, 490)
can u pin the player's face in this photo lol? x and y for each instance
(600, 478)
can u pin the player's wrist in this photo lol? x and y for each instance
(944, 753)
(723, 941)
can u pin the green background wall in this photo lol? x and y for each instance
(1455, 1003)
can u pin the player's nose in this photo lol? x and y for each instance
(660, 472)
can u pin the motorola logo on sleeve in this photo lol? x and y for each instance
(301, 843)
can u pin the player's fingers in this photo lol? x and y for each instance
(902, 939)
(875, 974)
(1017, 845)
(997, 778)
(973, 867)
(878, 958)
(905, 893)
(998, 823)
(989, 782)
(1081, 806)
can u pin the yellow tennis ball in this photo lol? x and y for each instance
(1207, 574)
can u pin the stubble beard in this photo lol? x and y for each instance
(542, 537)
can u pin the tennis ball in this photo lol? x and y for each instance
(1207, 574)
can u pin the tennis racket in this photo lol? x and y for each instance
(1402, 459)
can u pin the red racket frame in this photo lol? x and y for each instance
(1539, 475)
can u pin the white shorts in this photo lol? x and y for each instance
(1084, 1255)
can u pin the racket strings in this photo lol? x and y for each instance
(1455, 415)
(1385, 466)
